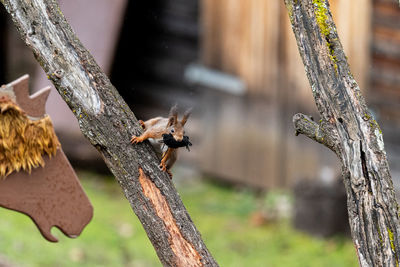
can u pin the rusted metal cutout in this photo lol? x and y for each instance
(44, 187)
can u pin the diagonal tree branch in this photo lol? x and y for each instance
(356, 136)
(108, 123)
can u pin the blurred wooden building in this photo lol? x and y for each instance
(245, 137)
(253, 40)
(186, 51)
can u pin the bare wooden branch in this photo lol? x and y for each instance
(355, 135)
(106, 120)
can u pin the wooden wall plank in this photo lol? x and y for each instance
(242, 38)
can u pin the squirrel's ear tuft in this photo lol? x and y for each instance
(173, 112)
(186, 116)
(173, 115)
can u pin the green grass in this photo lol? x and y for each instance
(115, 236)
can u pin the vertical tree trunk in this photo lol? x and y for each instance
(108, 123)
(348, 128)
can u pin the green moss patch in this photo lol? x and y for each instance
(321, 16)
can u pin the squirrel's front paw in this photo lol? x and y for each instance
(135, 140)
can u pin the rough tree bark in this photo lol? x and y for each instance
(108, 123)
(347, 128)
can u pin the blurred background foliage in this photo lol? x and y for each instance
(225, 215)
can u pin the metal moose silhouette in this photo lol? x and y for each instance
(36, 178)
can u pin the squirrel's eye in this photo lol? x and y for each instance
(172, 130)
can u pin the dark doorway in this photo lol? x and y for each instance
(158, 40)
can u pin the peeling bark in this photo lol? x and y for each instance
(186, 255)
(348, 128)
(105, 119)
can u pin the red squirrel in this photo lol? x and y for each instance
(162, 130)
